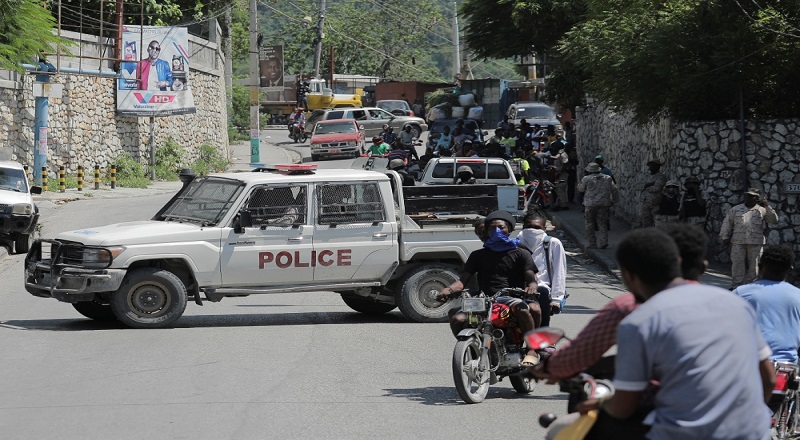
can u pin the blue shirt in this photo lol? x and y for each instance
(704, 347)
(777, 306)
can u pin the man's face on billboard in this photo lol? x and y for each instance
(274, 70)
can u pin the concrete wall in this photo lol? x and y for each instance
(708, 150)
(83, 126)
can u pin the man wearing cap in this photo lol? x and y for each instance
(399, 166)
(599, 193)
(600, 160)
(388, 134)
(501, 263)
(464, 176)
(669, 204)
(743, 230)
(693, 205)
(649, 192)
(378, 148)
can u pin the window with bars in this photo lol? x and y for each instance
(350, 203)
(278, 205)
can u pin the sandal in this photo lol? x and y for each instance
(531, 360)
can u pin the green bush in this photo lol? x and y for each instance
(210, 160)
(130, 173)
(169, 160)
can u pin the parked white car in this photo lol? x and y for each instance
(18, 214)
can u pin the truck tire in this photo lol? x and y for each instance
(419, 288)
(149, 298)
(95, 311)
(22, 242)
(366, 306)
(416, 131)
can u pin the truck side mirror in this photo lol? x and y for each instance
(36, 190)
(245, 221)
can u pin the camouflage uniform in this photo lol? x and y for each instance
(668, 205)
(648, 197)
(560, 162)
(599, 194)
(745, 228)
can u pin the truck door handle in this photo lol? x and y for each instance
(296, 239)
(380, 235)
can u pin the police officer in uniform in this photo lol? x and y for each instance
(693, 205)
(599, 193)
(669, 205)
(649, 192)
(743, 230)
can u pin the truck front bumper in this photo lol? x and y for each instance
(25, 224)
(58, 275)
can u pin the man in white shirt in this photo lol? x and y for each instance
(552, 264)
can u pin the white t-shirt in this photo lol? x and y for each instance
(533, 239)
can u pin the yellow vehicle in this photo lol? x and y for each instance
(321, 96)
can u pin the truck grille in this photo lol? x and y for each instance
(70, 253)
(3, 207)
(334, 145)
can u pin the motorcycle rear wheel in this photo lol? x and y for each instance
(472, 385)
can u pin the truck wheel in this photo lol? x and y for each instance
(419, 288)
(22, 243)
(314, 157)
(415, 131)
(93, 310)
(149, 298)
(366, 306)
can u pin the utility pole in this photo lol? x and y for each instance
(255, 83)
(456, 42)
(227, 49)
(320, 36)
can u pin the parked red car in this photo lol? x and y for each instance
(337, 137)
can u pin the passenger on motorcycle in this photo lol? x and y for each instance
(700, 342)
(296, 118)
(443, 143)
(552, 263)
(388, 134)
(407, 139)
(500, 264)
(378, 147)
(776, 302)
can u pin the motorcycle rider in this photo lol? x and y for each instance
(700, 342)
(378, 147)
(399, 165)
(407, 139)
(388, 134)
(499, 264)
(297, 118)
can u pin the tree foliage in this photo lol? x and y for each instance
(692, 60)
(25, 32)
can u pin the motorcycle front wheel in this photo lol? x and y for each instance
(471, 383)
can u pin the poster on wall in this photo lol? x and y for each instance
(271, 74)
(154, 72)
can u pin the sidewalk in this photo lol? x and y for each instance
(571, 222)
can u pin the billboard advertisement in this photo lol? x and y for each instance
(271, 68)
(154, 72)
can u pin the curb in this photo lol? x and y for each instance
(605, 262)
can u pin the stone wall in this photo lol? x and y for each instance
(708, 150)
(84, 128)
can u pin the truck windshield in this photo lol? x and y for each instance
(13, 180)
(536, 113)
(205, 201)
(342, 127)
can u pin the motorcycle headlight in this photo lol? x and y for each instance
(22, 209)
(100, 257)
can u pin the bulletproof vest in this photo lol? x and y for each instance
(691, 208)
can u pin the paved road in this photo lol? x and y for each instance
(295, 366)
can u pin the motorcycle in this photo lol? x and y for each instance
(538, 194)
(784, 400)
(298, 134)
(488, 349)
(582, 387)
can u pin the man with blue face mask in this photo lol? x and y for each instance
(501, 263)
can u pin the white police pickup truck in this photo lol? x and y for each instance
(289, 228)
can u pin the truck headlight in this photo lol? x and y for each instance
(22, 209)
(100, 258)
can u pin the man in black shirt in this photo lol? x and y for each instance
(500, 264)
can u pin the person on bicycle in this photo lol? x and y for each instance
(501, 264)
